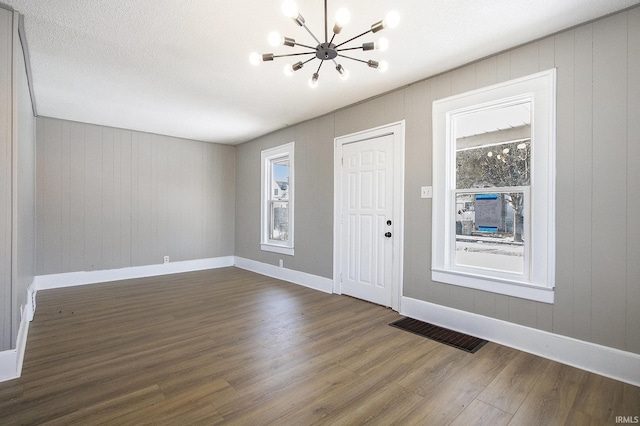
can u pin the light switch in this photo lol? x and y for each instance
(426, 192)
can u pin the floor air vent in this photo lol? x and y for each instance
(439, 334)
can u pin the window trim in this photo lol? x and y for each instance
(539, 283)
(267, 157)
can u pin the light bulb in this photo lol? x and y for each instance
(313, 82)
(289, 9)
(343, 16)
(255, 58)
(288, 70)
(489, 154)
(505, 151)
(383, 66)
(522, 146)
(382, 44)
(275, 39)
(391, 20)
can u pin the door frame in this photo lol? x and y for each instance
(396, 129)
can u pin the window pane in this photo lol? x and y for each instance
(279, 226)
(507, 164)
(280, 179)
(493, 147)
(490, 231)
(277, 199)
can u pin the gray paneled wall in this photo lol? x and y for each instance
(6, 104)
(17, 181)
(313, 197)
(24, 221)
(110, 198)
(598, 182)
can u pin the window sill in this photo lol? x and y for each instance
(277, 249)
(494, 285)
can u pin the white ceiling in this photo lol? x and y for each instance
(180, 67)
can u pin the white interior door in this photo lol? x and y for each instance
(367, 219)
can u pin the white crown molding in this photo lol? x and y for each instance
(602, 360)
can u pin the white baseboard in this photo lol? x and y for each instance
(302, 278)
(11, 360)
(602, 360)
(9, 365)
(70, 279)
(606, 361)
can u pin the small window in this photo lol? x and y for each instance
(277, 199)
(494, 198)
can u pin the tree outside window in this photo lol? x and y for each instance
(502, 165)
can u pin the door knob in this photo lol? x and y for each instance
(387, 234)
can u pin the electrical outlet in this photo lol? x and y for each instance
(166, 259)
(426, 192)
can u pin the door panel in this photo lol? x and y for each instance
(367, 182)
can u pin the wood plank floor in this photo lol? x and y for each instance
(228, 346)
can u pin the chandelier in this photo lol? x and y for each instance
(327, 50)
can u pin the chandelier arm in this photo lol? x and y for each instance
(304, 45)
(353, 59)
(312, 35)
(319, 66)
(332, 37)
(349, 48)
(295, 54)
(351, 39)
(309, 60)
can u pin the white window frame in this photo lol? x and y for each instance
(268, 156)
(538, 279)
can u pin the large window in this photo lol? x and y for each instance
(277, 199)
(494, 195)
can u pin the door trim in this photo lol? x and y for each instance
(398, 130)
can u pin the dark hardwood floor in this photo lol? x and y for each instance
(228, 346)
